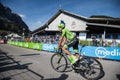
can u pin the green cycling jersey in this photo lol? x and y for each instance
(68, 34)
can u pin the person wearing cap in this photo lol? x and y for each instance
(68, 39)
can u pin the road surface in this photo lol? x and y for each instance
(18, 63)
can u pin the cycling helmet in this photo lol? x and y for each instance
(61, 25)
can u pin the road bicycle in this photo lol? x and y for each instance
(88, 67)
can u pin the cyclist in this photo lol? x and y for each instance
(68, 39)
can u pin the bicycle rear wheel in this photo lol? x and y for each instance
(59, 62)
(91, 68)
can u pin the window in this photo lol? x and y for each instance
(118, 36)
(82, 34)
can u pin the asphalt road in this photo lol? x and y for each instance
(18, 63)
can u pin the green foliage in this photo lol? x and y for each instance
(6, 31)
(85, 42)
(89, 43)
(110, 43)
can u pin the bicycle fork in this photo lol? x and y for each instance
(59, 59)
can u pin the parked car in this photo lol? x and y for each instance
(1, 41)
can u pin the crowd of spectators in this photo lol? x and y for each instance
(51, 39)
(103, 43)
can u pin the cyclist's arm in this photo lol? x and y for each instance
(63, 41)
(61, 38)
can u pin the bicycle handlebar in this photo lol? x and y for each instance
(59, 50)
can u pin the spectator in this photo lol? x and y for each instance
(114, 43)
(57, 38)
(105, 44)
(94, 41)
(101, 42)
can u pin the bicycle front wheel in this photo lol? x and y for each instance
(59, 62)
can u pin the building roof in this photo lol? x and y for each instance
(55, 16)
(104, 25)
(105, 22)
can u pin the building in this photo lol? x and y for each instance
(108, 27)
(84, 27)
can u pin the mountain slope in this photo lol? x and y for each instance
(10, 21)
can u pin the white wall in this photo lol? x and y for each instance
(72, 23)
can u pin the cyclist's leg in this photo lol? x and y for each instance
(66, 51)
(72, 58)
(66, 46)
(75, 48)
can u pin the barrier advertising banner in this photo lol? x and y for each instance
(49, 47)
(37, 46)
(102, 52)
(26, 44)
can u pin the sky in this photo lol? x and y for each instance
(36, 13)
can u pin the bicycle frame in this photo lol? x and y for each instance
(85, 66)
(63, 53)
(60, 51)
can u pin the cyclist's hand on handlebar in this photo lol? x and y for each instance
(56, 48)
